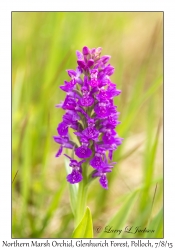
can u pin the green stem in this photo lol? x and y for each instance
(82, 197)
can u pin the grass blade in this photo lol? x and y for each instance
(121, 217)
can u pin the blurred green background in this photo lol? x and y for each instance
(43, 47)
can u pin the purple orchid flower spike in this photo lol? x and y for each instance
(91, 113)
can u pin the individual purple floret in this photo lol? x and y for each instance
(91, 113)
(101, 170)
(83, 151)
(76, 175)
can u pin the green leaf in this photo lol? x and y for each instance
(85, 228)
(73, 189)
(150, 157)
(132, 111)
(50, 211)
(17, 92)
(120, 218)
(157, 225)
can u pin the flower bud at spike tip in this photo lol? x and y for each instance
(85, 50)
(91, 113)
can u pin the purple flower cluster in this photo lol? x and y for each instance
(91, 113)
